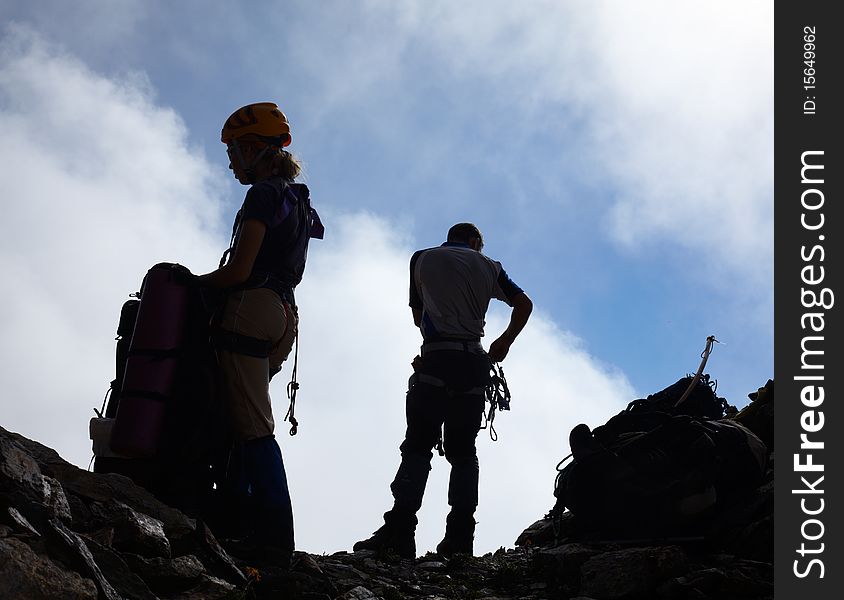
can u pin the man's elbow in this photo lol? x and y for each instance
(523, 303)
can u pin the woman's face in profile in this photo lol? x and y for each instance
(246, 154)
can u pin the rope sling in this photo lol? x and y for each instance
(498, 395)
(496, 392)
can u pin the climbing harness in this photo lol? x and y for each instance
(439, 383)
(496, 392)
(472, 346)
(240, 343)
(222, 339)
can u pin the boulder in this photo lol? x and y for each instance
(127, 583)
(167, 575)
(25, 574)
(133, 531)
(632, 572)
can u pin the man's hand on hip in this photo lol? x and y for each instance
(498, 349)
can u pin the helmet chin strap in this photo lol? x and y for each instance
(249, 171)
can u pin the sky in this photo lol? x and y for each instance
(617, 156)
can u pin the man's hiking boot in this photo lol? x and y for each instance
(398, 534)
(459, 535)
(387, 538)
(449, 546)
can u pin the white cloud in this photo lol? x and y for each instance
(683, 132)
(99, 185)
(691, 139)
(669, 104)
(104, 183)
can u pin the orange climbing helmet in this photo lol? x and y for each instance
(261, 119)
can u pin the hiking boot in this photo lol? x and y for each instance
(448, 547)
(459, 535)
(388, 538)
(249, 552)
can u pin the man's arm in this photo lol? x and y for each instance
(522, 307)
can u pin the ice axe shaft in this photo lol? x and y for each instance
(704, 357)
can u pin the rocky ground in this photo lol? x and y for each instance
(69, 533)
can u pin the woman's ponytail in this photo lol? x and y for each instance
(285, 165)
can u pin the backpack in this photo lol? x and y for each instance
(654, 468)
(191, 445)
(758, 416)
(701, 400)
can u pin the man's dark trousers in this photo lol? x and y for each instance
(454, 409)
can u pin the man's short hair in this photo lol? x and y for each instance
(464, 232)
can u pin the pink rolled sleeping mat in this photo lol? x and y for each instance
(152, 363)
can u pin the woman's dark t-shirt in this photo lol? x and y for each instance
(284, 208)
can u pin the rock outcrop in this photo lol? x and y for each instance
(69, 533)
